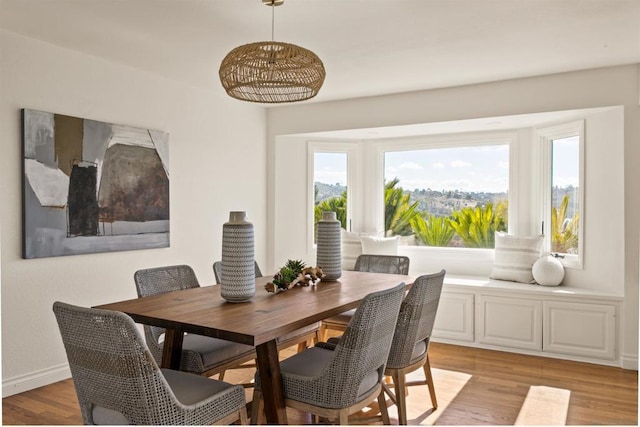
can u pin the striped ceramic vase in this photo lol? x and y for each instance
(328, 256)
(238, 278)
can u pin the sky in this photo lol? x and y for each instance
(479, 169)
(469, 169)
(331, 168)
(566, 162)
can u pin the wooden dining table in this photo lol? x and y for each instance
(258, 322)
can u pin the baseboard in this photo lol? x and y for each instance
(630, 361)
(23, 383)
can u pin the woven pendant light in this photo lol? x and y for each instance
(271, 72)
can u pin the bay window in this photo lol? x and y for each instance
(447, 195)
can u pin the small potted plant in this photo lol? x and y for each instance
(294, 272)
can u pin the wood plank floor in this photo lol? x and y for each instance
(473, 386)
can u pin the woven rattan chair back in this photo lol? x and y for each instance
(112, 368)
(416, 319)
(159, 280)
(410, 347)
(217, 271)
(364, 347)
(391, 264)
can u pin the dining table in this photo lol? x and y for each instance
(257, 322)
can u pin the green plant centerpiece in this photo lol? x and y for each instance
(294, 272)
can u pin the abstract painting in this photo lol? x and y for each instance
(91, 186)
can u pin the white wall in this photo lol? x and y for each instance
(569, 91)
(217, 164)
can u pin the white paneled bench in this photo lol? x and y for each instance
(561, 322)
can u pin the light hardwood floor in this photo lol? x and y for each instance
(473, 386)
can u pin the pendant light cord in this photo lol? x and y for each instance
(273, 19)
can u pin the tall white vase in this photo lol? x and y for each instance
(238, 277)
(328, 256)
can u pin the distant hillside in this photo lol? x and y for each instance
(327, 191)
(442, 203)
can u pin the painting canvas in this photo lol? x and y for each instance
(91, 186)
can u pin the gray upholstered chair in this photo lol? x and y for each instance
(118, 382)
(390, 264)
(303, 337)
(200, 354)
(337, 383)
(410, 347)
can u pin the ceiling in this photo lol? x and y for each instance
(369, 47)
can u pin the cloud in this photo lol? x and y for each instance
(460, 164)
(410, 165)
(438, 165)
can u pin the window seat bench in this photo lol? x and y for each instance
(563, 322)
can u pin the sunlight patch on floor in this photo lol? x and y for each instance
(447, 384)
(544, 406)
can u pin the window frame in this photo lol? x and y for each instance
(545, 137)
(529, 185)
(475, 139)
(351, 149)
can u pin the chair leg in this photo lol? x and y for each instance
(382, 403)
(256, 406)
(343, 418)
(390, 393)
(302, 346)
(243, 417)
(432, 391)
(221, 375)
(316, 337)
(401, 400)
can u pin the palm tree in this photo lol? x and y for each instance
(564, 231)
(334, 204)
(398, 213)
(477, 226)
(431, 230)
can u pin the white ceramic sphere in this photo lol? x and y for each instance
(548, 271)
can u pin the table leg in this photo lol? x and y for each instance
(172, 349)
(271, 383)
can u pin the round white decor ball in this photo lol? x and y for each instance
(548, 271)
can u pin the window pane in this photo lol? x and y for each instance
(450, 197)
(565, 178)
(330, 186)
